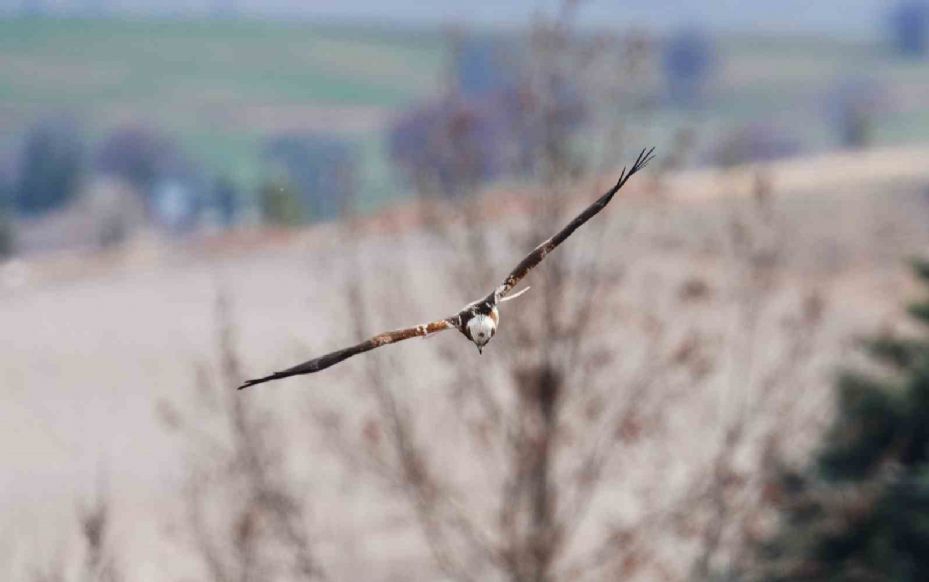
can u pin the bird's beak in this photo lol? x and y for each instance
(480, 349)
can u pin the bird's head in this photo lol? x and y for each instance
(482, 328)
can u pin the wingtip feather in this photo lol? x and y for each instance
(644, 157)
(249, 383)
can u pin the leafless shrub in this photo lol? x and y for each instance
(244, 518)
(99, 562)
(94, 519)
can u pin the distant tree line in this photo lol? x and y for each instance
(305, 177)
(50, 167)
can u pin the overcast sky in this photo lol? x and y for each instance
(854, 17)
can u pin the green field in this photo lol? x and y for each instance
(220, 87)
(215, 85)
(788, 81)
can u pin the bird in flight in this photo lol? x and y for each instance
(478, 320)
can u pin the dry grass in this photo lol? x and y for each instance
(94, 354)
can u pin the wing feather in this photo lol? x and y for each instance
(540, 252)
(332, 358)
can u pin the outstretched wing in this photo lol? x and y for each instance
(513, 279)
(539, 253)
(386, 338)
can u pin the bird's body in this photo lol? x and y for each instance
(478, 321)
(482, 325)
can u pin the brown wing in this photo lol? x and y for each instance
(539, 253)
(323, 362)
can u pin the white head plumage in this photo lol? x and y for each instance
(482, 328)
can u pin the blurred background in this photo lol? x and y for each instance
(716, 379)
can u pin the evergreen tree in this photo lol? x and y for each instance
(50, 167)
(861, 511)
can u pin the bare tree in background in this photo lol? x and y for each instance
(244, 518)
(543, 413)
(564, 421)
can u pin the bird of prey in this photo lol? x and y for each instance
(478, 320)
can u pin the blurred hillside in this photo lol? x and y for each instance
(218, 87)
(235, 111)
